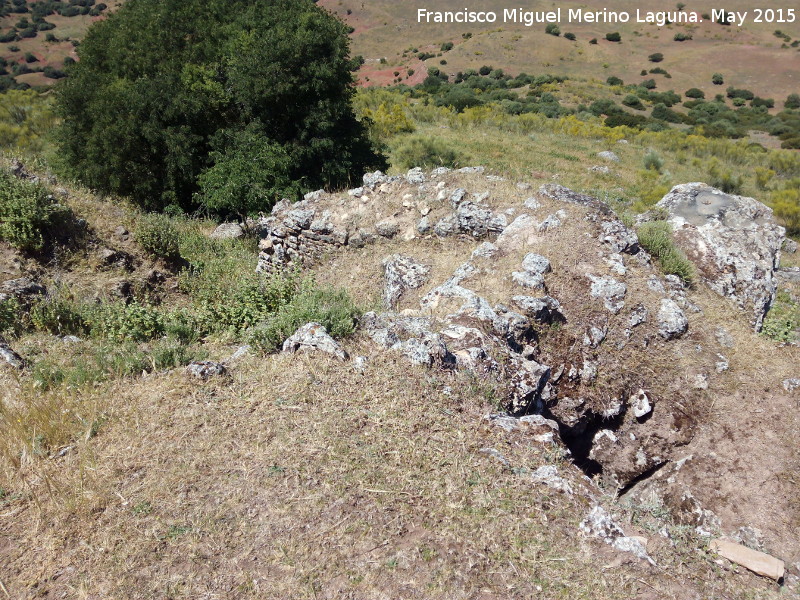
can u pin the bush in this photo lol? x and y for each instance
(30, 219)
(656, 238)
(614, 37)
(593, 41)
(334, 309)
(425, 152)
(724, 179)
(792, 101)
(59, 314)
(614, 81)
(649, 84)
(682, 37)
(656, 57)
(158, 236)
(695, 93)
(248, 176)
(119, 321)
(10, 310)
(446, 47)
(553, 29)
(717, 79)
(144, 114)
(633, 102)
(732, 92)
(652, 161)
(570, 36)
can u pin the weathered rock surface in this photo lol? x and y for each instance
(313, 337)
(10, 357)
(672, 322)
(22, 288)
(227, 231)
(205, 369)
(598, 523)
(733, 241)
(401, 273)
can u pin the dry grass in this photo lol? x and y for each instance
(301, 478)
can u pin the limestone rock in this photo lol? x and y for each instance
(387, 228)
(313, 337)
(205, 369)
(400, 273)
(598, 523)
(485, 250)
(672, 322)
(732, 240)
(10, 356)
(227, 231)
(22, 288)
(548, 475)
(791, 385)
(611, 291)
(608, 155)
(545, 310)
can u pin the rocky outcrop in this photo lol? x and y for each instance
(564, 327)
(732, 240)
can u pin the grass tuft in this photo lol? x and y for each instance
(656, 238)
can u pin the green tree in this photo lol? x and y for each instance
(792, 101)
(166, 91)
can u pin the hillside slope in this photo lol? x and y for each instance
(308, 476)
(749, 57)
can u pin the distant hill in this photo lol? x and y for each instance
(763, 57)
(38, 36)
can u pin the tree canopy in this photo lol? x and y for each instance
(228, 103)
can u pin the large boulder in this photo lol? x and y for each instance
(733, 241)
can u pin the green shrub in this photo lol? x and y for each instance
(120, 321)
(553, 29)
(614, 37)
(633, 102)
(425, 152)
(10, 316)
(682, 37)
(332, 308)
(695, 93)
(59, 314)
(656, 238)
(717, 79)
(782, 323)
(250, 176)
(614, 81)
(792, 101)
(570, 36)
(144, 114)
(30, 219)
(724, 179)
(653, 162)
(171, 354)
(158, 236)
(656, 57)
